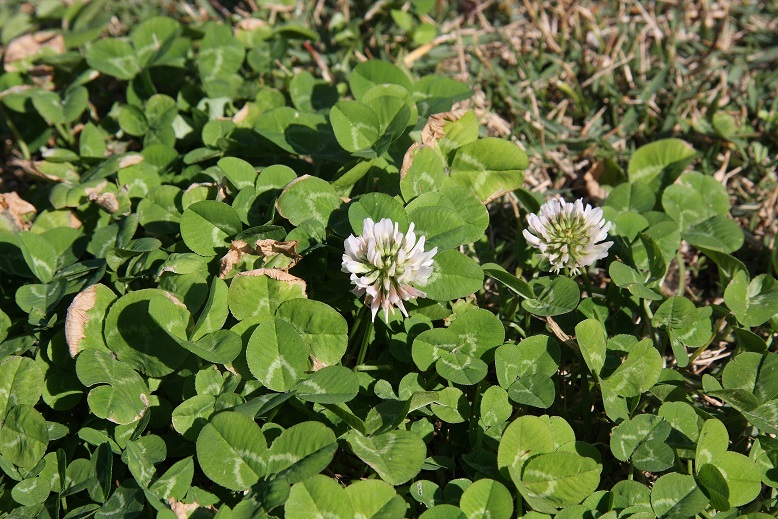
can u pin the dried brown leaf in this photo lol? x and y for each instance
(130, 160)
(286, 248)
(14, 208)
(182, 510)
(106, 201)
(29, 45)
(250, 24)
(433, 130)
(237, 249)
(76, 319)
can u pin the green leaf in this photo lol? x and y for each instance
(256, 294)
(432, 344)
(719, 233)
(277, 355)
(21, 382)
(240, 173)
(677, 496)
(479, 331)
(126, 501)
(39, 255)
(626, 277)
(642, 439)
(535, 390)
(121, 396)
(153, 37)
(659, 163)
(170, 315)
(536, 355)
(425, 173)
(442, 227)
(215, 312)
(555, 296)
(591, 337)
(675, 314)
(308, 198)
(137, 339)
(460, 368)
(525, 437)
(31, 492)
(638, 373)
(516, 285)
(160, 211)
(489, 167)
(753, 372)
(23, 436)
(727, 265)
(113, 57)
(49, 106)
(487, 498)
(631, 196)
(377, 206)
(397, 456)
(318, 496)
(322, 328)
(221, 54)
(301, 451)
(208, 225)
(436, 93)
(564, 478)
(192, 415)
(450, 405)
(176, 480)
(376, 72)
(713, 485)
(132, 121)
(328, 385)
(231, 451)
(752, 303)
(742, 477)
(375, 499)
(454, 275)
(356, 125)
(219, 347)
(443, 511)
(495, 407)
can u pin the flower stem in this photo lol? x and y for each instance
(355, 327)
(587, 282)
(365, 342)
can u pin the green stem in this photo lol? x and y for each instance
(716, 331)
(373, 367)
(365, 342)
(587, 282)
(65, 133)
(17, 136)
(357, 321)
(681, 273)
(649, 315)
(145, 77)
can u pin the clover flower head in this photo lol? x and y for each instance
(569, 235)
(384, 264)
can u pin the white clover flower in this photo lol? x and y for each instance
(383, 264)
(568, 234)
